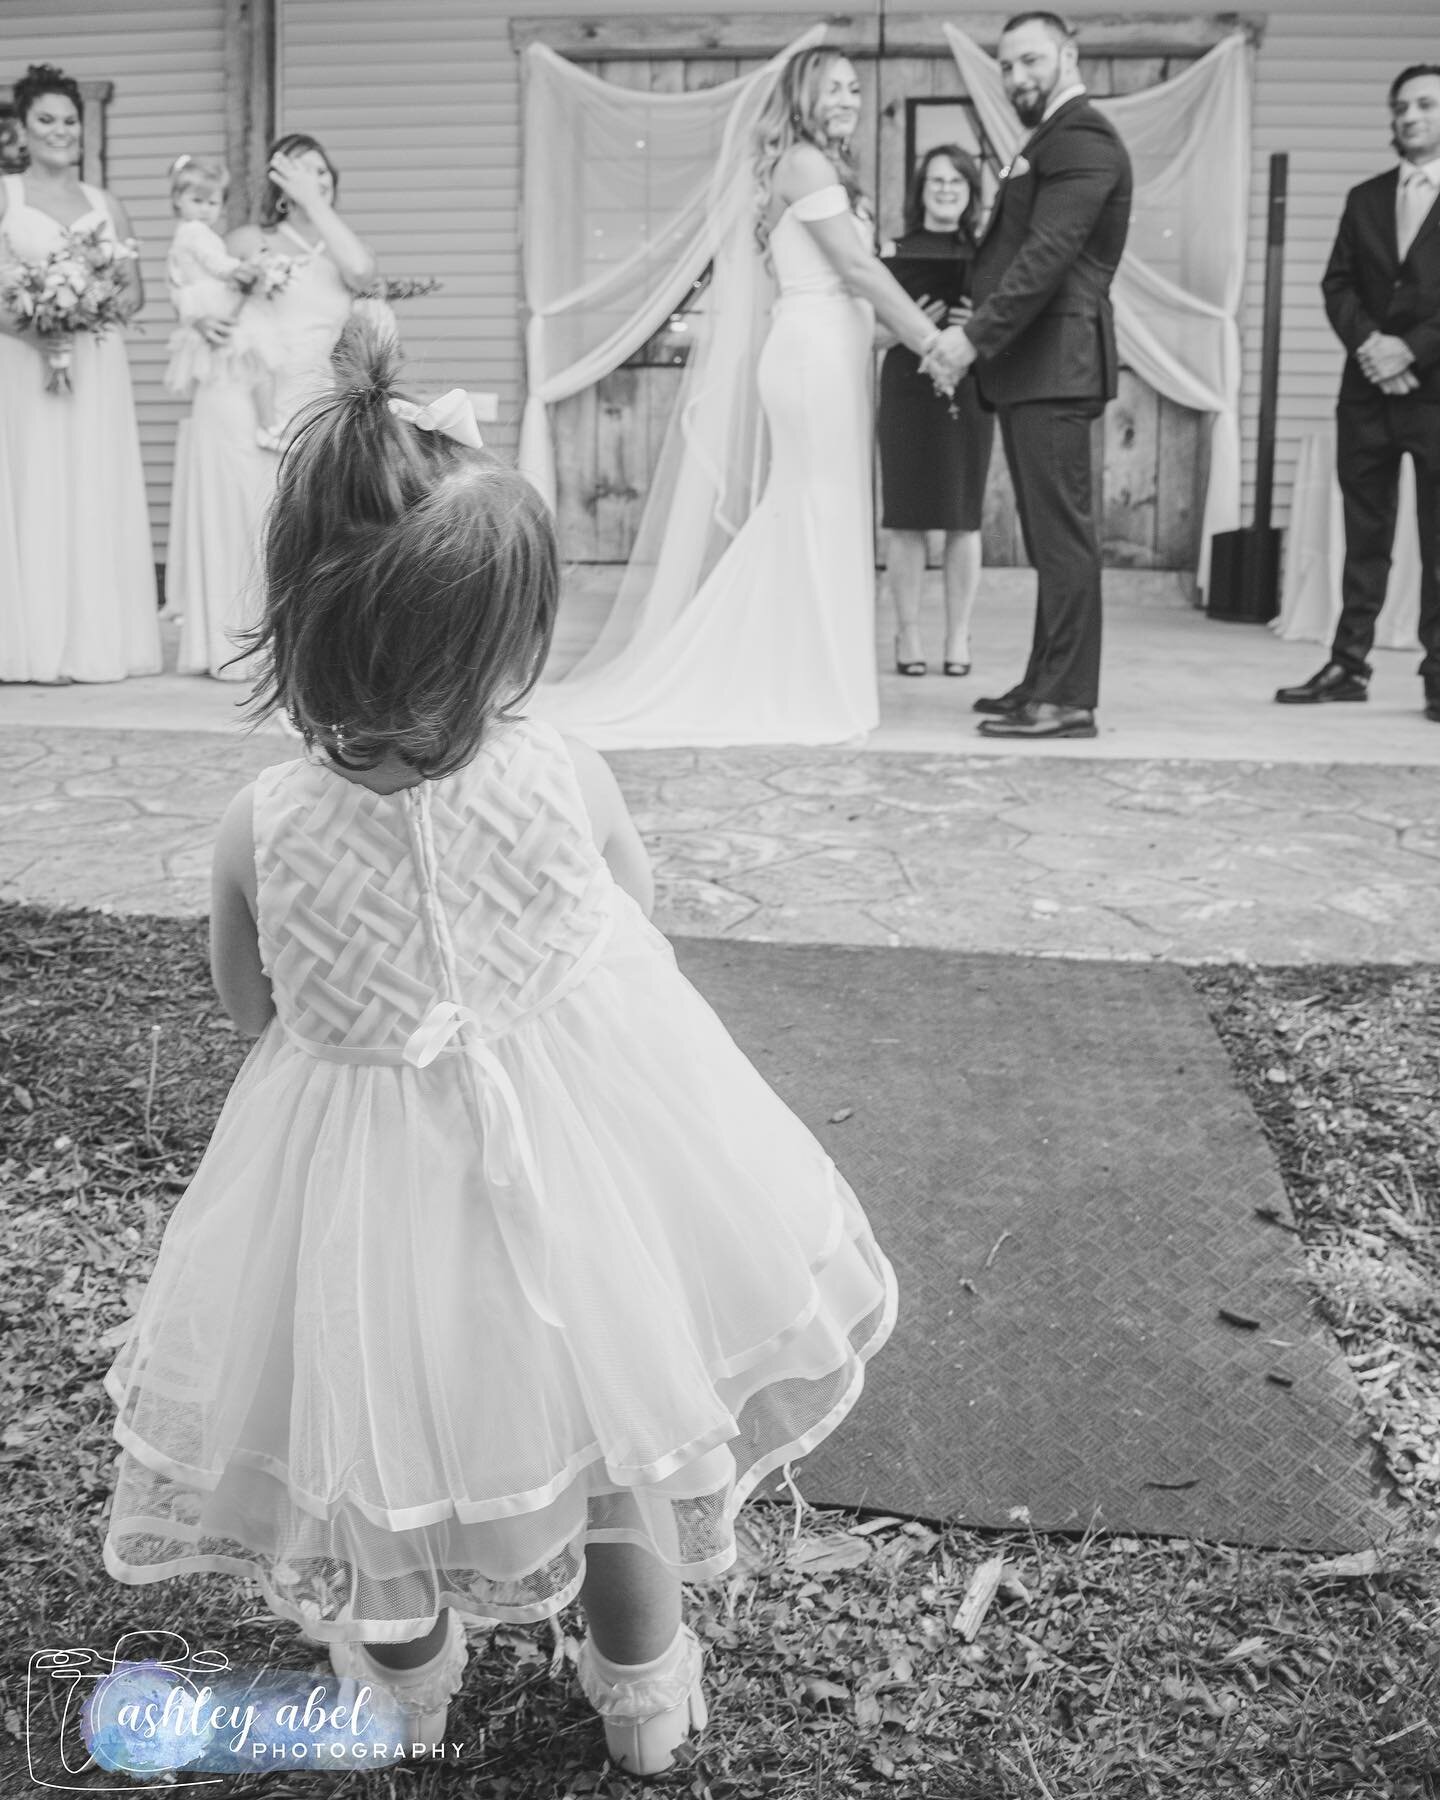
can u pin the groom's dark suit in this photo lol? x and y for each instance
(1045, 337)
(1369, 287)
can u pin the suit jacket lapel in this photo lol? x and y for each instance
(1040, 131)
(1427, 224)
(1389, 228)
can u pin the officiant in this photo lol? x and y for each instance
(934, 452)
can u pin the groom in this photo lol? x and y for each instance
(1044, 336)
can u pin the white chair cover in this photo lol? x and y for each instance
(1315, 554)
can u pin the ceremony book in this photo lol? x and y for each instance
(934, 277)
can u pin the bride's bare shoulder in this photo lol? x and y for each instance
(802, 170)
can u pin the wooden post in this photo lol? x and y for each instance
(249, 67)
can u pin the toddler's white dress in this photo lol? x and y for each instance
(501, 1245)
(200, 272)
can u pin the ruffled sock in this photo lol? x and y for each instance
(648, 1708)
(424, 1693)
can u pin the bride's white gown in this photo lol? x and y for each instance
(778, 644)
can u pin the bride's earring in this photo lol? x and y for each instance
(282, 206)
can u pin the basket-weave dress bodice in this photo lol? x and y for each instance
(483, 891)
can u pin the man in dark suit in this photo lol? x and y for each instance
(1044, 335)
(1382, 293)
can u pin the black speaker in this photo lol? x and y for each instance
(1244, 575)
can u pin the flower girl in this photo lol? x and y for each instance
(505, 1277)
(207, 283)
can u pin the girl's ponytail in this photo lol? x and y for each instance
(411, 581)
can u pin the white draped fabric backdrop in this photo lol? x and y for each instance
(629, 196)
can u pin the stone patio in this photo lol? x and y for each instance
(1212, 845)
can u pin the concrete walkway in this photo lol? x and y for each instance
(1206, 823)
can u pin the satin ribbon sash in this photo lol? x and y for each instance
(511, 1168)
(507, 1150)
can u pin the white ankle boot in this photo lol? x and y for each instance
(648, 1708)
(424, 1693)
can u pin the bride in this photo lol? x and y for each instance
(777, 644)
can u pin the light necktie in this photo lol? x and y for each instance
(1417, 195)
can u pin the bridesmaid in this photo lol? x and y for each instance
(77, 570)
(223, 478)
(298, 219)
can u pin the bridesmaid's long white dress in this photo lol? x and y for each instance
(77, 569)
(223, 479)
(778, 645)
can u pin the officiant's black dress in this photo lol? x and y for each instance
(932, 467)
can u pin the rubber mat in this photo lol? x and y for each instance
(1061, 1166)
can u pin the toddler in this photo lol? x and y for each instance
(206, 282)
(505, 1278)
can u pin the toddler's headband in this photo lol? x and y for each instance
(450, 414)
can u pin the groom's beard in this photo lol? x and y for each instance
(1031, 106)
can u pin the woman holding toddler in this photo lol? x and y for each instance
(294, 280)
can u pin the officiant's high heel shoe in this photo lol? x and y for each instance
(917, 666)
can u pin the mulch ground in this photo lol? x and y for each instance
(1115, 1666)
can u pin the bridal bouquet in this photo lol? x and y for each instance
(79, 286)
(272, 274)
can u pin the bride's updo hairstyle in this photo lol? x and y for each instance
(411, 581)
(41, 79)
(790, 116)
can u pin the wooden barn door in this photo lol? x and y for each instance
(608, 438)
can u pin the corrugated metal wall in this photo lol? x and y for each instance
(418, 103)
(164, 58)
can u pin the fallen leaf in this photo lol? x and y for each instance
(822, 1693)
(1344, 1568)
(825, 1556)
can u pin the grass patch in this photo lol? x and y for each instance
(1107, 1665)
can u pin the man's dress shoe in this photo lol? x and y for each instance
(1334, 682)
(1432, 708)
(1005, 706)
(1039, 719)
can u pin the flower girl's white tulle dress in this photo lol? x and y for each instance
(501, 1245)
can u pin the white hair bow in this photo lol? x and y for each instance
(452, 414)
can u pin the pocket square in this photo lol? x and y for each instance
(1019, 167)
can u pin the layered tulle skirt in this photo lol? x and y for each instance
(411, 1344)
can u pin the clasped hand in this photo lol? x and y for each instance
(948, 358)
(1386, 361)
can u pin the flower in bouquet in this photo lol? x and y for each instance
(275, 273)
(79, 286)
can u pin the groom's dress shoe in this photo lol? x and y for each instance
(1334, 682)
(1005, 706)
(1039, 719)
